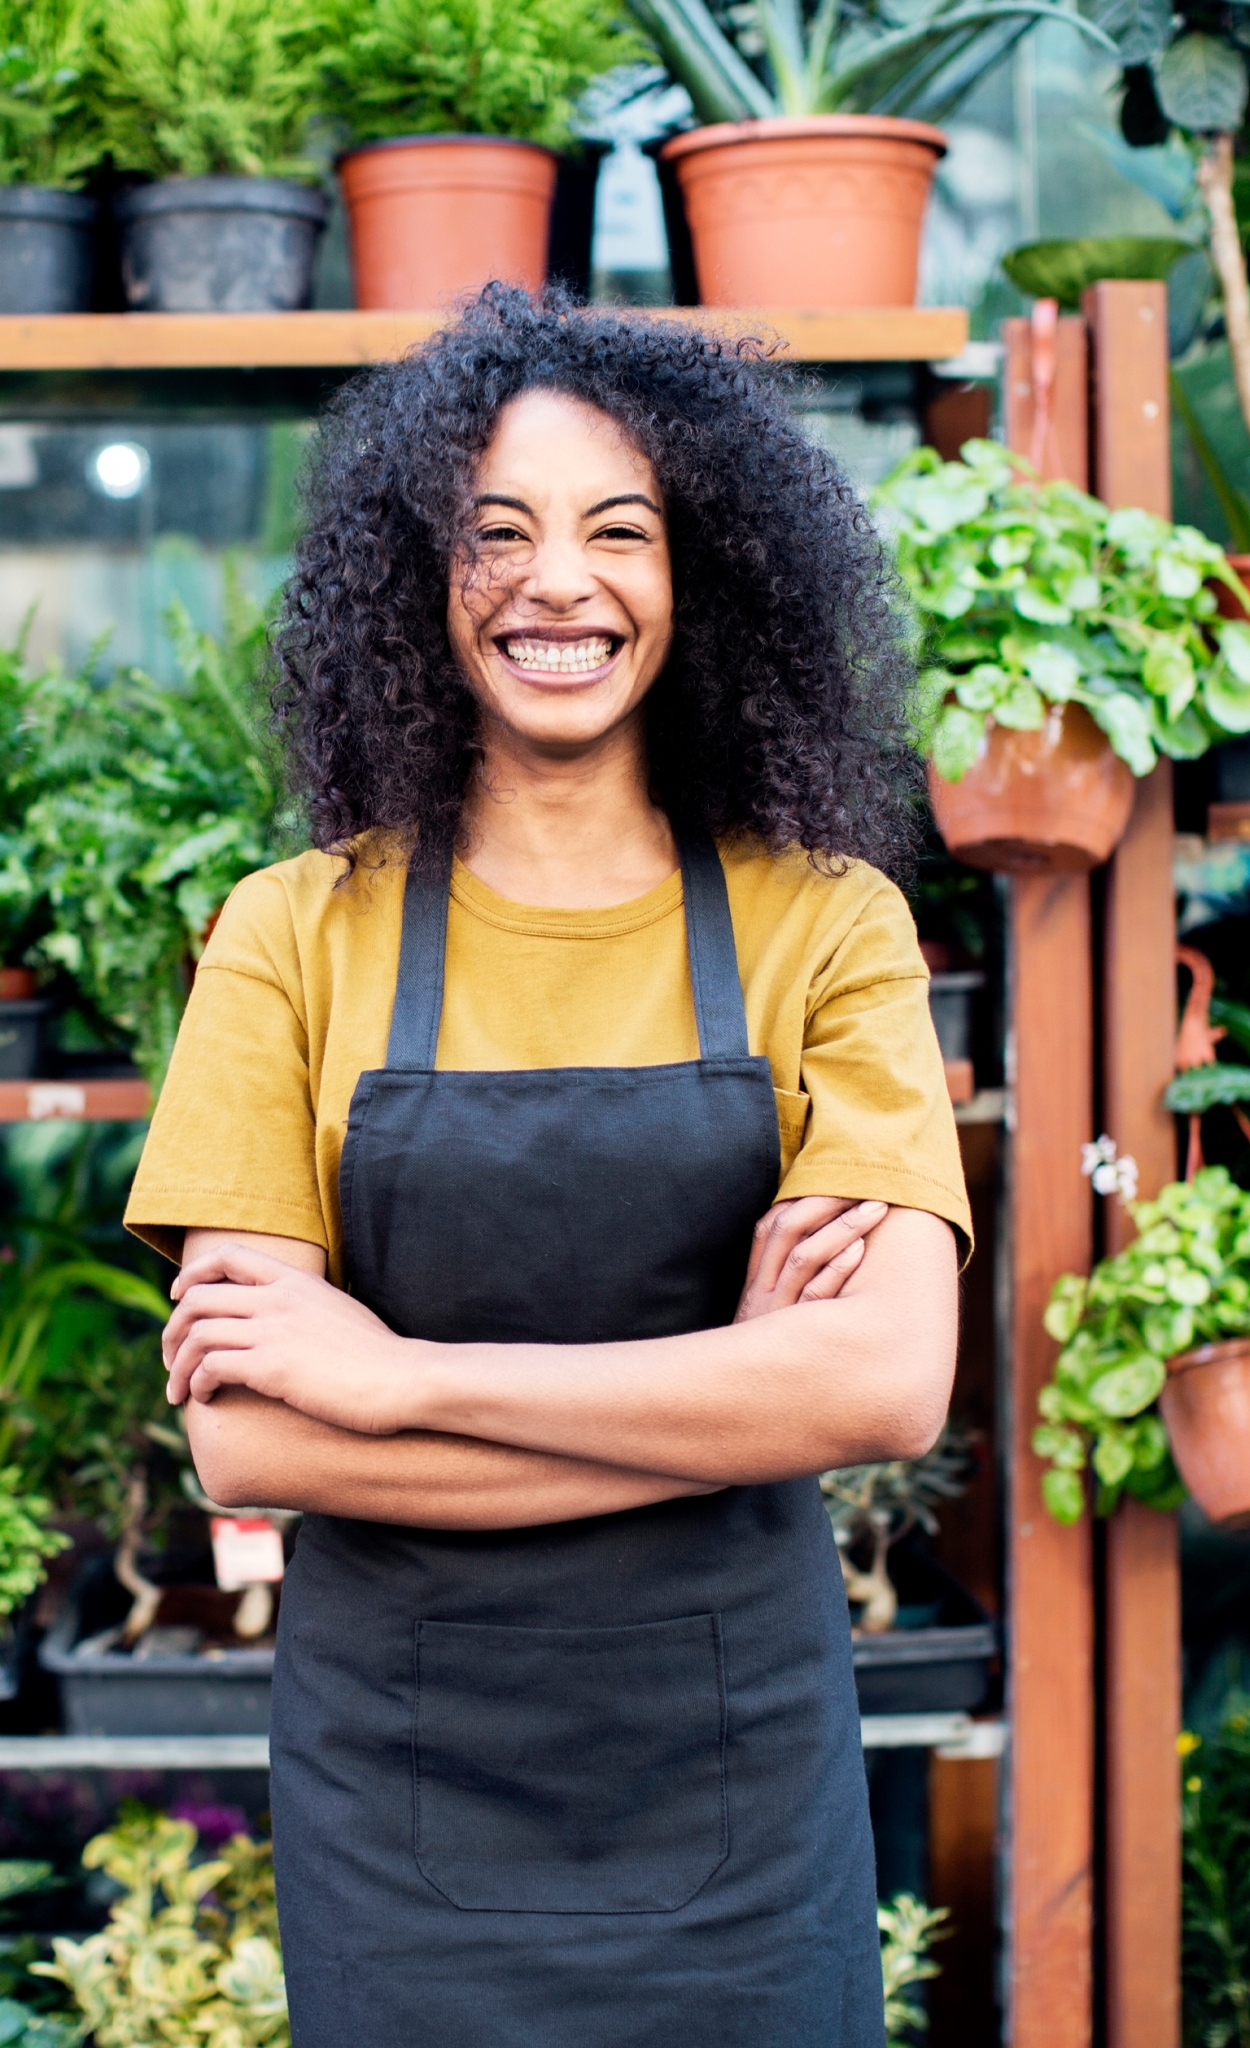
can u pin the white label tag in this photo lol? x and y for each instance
(246, 1553)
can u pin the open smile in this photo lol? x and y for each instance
(542, 654)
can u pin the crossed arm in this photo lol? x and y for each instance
(298, 1396)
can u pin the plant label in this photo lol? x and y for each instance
(246, 1552)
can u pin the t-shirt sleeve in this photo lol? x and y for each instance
(232, 1140)
(880, 1123)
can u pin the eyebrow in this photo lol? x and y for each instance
(604, 505)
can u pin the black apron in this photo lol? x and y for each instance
(596, 1784)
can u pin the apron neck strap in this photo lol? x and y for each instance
(718, 1005)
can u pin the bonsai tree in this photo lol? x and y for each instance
(741, 63)
(49, 133)
(430, 67)
(195, 90)
(876, 1505)
(1031, 595)
(1184, 1280)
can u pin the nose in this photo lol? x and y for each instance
(558, 576)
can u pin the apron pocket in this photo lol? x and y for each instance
(570, 1770)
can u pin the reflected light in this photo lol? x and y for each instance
(120, 470)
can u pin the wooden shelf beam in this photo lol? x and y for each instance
(35, 1102)
(345, 340)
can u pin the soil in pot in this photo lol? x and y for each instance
(1206, 1408)
(825, 210)
(432, 216)
(219, 245)
(1053, 801)
(47, 251)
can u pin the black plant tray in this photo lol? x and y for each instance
(946, 1667)
(110, 1692)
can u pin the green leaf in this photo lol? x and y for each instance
(1129, 1388)
(958, 738)
(1234, 639)
(1112, 1457)
(1065, 1307)
(1064, 1495)
(1064, 269)
(1168, 671)
(1202, 1088)
(1226, 687)
(1056, 672)
(1129, 727)
(1033, 601)
(1201, 84)
(952, 497)
(1022, 708)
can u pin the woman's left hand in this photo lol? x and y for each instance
(244, 1319)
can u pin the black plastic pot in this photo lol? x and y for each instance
(46, 250)
(21, 1039)
(16, 1637)
(946, 1667)
(951, 1000)
(109, 1692)
(219, 245)
(676, 227)
(572, 232)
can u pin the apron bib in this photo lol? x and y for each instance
(595, 1784)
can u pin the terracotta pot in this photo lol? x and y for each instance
(1054, 801)
(1206, 1408)
(1229, 606)
(17, 984)
(819, 211)
(433, 216)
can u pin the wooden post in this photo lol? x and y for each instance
(1142, 1648)
(1049, 1568)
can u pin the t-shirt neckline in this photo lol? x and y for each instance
(537, 920)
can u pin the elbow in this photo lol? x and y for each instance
(220, 1454)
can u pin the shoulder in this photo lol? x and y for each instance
(851, 924)
(278, 919)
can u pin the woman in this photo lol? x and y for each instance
(562, 1171)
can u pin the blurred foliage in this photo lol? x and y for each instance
(1215, 1965)
(466, 67)
(191, 1949)
(49, 126)
(1062, 270)
(26, 1544)
(908, 1931)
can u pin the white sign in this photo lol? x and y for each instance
(246, 1552)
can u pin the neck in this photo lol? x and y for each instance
(575, 832)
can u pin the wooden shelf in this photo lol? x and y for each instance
(34, 1102)
(224, 341)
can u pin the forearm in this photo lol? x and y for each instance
(864, 1377)
(253, 1452)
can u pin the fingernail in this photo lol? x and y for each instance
(871, 1208)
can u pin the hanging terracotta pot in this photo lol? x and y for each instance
(1227, 603)
(432, 216)
(1206, 1409)
(1054, 801)
(821, 210)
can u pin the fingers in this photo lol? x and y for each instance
(239, 1263)
(204, 1337)
(205, 1300)
(833, 1277)
(785, 1226)
(815, 1265)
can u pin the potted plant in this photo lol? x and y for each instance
(1068, 647)
(212, 105)
(453, 113)
(1155, 1365)
(808, 184)
(49, 141)
(26, 1544)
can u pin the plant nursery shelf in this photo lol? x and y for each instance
(249, 341)
(956, 1735)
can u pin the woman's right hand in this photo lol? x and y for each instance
(805, 1250)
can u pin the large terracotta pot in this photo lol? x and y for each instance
(432, 216)
(824, 210)
(1227, 604)
(1206, 1407)
(1053, 801)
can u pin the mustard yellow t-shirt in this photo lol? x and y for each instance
(292, 1001)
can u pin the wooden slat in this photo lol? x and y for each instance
(217, 341)
(1067, 447)
(1142, 1577)
(79, 1101)
(1128, 324)
(1050, 1570)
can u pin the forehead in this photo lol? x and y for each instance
(547, 441)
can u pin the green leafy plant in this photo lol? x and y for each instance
(1062, 270)
(1215, 1896)
(908, 1931)
(1183, 1281)
(469, 67)
(191, 1949)
(744, 62)
(193, 88)
(1031, 595)
(26, 1541)
(151, 802)
(49, 131)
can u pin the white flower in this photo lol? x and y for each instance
(1108, 1173)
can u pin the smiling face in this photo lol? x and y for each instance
(561, 611)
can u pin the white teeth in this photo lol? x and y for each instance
(559, 657)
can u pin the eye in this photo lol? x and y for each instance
(620, 532)
(501, 533)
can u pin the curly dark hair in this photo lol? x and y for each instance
(782, 709)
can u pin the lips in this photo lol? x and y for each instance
(537, 654)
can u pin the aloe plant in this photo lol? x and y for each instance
(841, 56)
